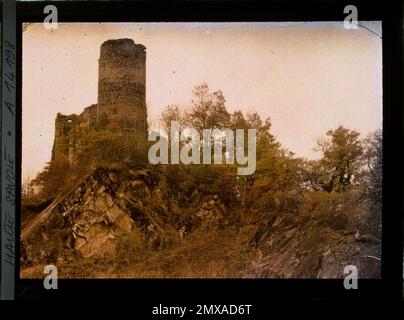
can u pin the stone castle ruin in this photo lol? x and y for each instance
(109, 203)
(124, 216)
(121, 100)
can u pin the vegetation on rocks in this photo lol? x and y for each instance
(293, 218)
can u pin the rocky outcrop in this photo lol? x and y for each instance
(112, 204)
(293, 246)
(91, 217)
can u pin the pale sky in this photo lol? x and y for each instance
(308, 77)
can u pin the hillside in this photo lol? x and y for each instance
(123, 222)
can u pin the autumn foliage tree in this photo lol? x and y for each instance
(171, 113)
(342, 151)
(289, 195)
(52, 179)
(373, 162)
(282, 182)
(208, 109)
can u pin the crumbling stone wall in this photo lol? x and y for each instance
(66, 136)
(70, 131)
(121, 99)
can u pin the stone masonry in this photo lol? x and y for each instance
(121, 99)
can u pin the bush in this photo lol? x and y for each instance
(338, 210)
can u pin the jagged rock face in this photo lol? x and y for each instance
(110, 204)
(210, 213)
(291, 246)
(99, 221)
(91, 218)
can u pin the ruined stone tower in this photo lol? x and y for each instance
(122, 84)
(121, 100)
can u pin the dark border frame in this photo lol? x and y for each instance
(260, 291)
(8, 149)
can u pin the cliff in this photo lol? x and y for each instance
(127, 222)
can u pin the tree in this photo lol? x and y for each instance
(108, 148)
(373, 179)
(169, 114)
(237, 121)
(52, 179)
(316, 176)
(373, 160)
(27, 189)
(265, 140)
(208, 109)
(342, 158)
